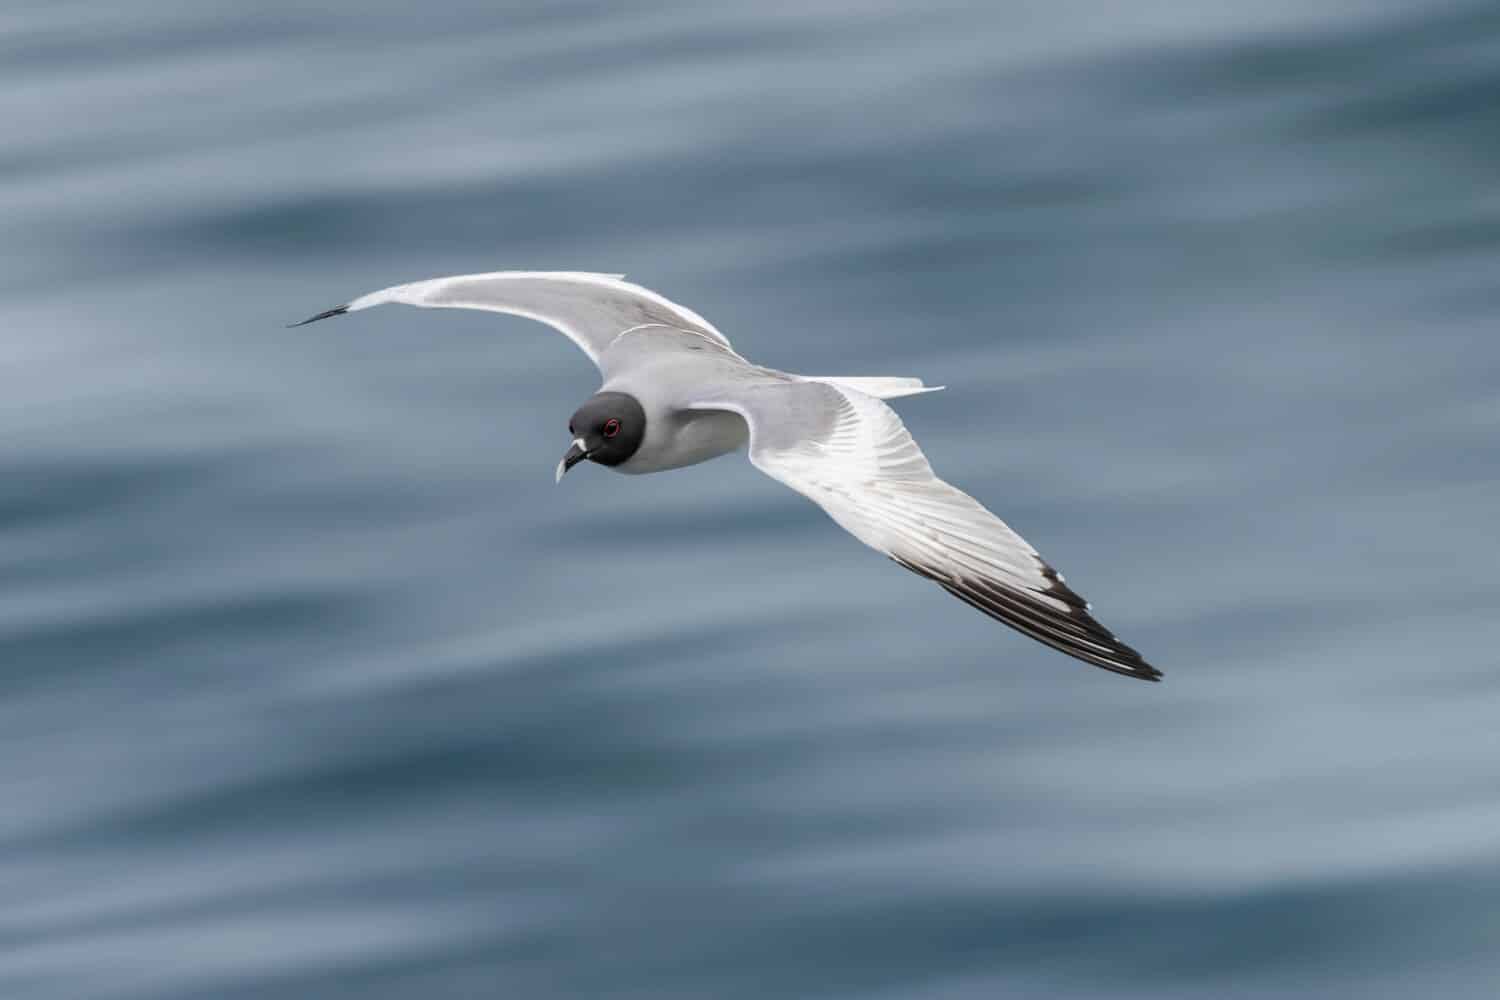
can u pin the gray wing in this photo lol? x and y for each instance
(850, 454)
(590, 309)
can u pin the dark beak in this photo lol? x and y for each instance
(575, 454)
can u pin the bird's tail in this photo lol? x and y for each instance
(880, 388)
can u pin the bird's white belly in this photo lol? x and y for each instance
(687, 438)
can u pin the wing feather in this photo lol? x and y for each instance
(589, 309)
(851, 454)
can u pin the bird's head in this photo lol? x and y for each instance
(608, 428)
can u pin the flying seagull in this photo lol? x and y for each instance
(675, 393)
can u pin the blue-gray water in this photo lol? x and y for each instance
(312, 684)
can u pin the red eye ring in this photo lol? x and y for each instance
(611, 427)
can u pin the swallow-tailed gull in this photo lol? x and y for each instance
(675, 393)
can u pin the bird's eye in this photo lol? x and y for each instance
(611, 427)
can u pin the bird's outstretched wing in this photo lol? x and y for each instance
(590, 309)
(851, 455)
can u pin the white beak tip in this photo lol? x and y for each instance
(578, 452)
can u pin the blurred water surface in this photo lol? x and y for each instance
(313, 684)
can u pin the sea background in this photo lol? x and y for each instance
(312, 683)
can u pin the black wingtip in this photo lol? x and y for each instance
(1074, 632)
(336, 311)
